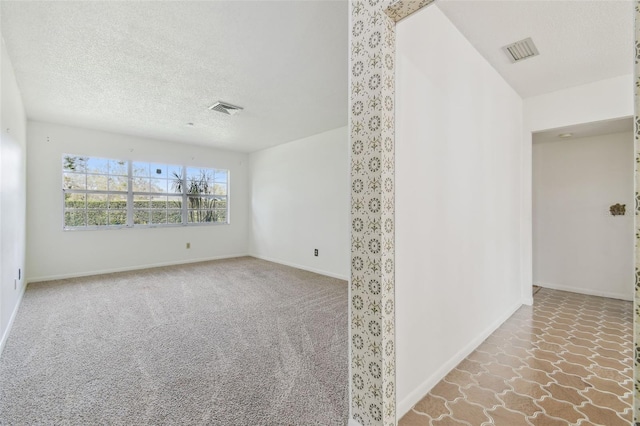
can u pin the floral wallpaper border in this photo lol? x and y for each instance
(636, 303)
(372, 128)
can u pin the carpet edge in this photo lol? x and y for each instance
(130, 268)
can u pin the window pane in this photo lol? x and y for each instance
(140, 169)
(175, 185)
(74, 201)
(74, 218)
(220, 215)
(96, 201)
(98, 166)
(221, 176)
(140, 217)
(97, 182)
(193, 216)
(174, 172)
(207, 187)
(174, 216)
(197, 180)
(118, 167)
(193, 173)
(118, 183)
(193, 202)
(207, 215)
(207, 202)
(117, 201)
(117, 217)
(199, 202)
(140, 184)
(214, 203)
(220, 189)
(158, 216)
(158, 185)
(74, 181)
(141, 201)
(194, 186)
(158, 202)
(96, 217)
(174, 202)
(74, 163)
(220, 203)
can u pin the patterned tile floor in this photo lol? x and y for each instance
(566, 360)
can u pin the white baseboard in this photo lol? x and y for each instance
(417, 394)
(587, 291)
(5, 335)
(305, 268)
(130, 268)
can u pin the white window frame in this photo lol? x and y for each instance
(130, 194)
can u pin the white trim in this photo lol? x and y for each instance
(5, 336)
(588, 292)
(131, 268)
(305, 268)
(410, 400)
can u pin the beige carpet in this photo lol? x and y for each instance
(233, 342)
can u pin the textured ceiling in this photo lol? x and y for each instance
(579, 41)
(149, 68)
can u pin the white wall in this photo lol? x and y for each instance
(577, 244)
(597, 101)
(54, 253)
(13, 129)
(601, 100)
(458, 199)
(300, 202)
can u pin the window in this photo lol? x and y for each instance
(157, 194)
(206, 195)
(109, 193)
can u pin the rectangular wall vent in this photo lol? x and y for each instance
(225, 108)
(521, 50)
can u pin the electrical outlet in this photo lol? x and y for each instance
(315, 252)
(188, 245)
(15, 284)
(19, 273)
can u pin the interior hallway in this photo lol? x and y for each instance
(565, 360)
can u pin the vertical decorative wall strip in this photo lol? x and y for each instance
(372, 121)
(387, 242)
(372, 207)
(636, 334)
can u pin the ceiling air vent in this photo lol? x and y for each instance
(521, 50)
(225, 108)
